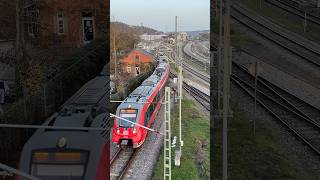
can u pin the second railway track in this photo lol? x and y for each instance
(293, 113)
(292, 42)
(294, 9)
(198, 95)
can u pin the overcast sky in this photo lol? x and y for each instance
(159, 14)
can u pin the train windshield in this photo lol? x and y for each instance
(59, 165)
(128, 114)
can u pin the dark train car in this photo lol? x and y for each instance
(65, 154)
(141, 107)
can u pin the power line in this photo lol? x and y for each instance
(15, 171)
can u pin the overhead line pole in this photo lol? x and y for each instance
(226, 86)
(114, 49)
(180, 98)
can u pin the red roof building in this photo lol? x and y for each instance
(136, 62)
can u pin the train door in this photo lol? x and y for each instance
(87, 27)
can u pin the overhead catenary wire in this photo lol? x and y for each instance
(21, 126)
(20, 173)
(121, 118)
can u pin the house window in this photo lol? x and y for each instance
(137, 70)
(33, 19)
(87, 27)
(129, 69)
(137, 57)
(60, 20)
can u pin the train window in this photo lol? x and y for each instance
(62, 165)
(146, 118)
(129, 114)
(148, 115)
(157, 99)
(46, 171)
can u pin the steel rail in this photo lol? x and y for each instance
(297, 117)
(292, 46)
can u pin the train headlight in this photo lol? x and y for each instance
(134, 130)
(118, 131)
(62, 142)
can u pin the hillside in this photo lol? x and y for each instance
(136, 29)
(126, 36)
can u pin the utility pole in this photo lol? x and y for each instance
(305, 21)
(224, 51)
(114, 51)
(260, 4)
(219, 75)
(180, 82)
(255, 96)
(180, 98)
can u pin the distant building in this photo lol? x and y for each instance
(182, 36)
(152, 37)
(61, 22)
(136, 62)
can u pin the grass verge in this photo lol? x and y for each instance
(251, 157)
(195, 160)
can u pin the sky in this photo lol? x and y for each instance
(193, 15)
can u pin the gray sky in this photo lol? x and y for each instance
(159, 14)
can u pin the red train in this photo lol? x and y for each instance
(140, 107)
(75, 154)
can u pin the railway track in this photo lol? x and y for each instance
(294, 9)
(292, 42)
(190, 69)
(200, 75)
(198, 95)
(201, 97)
(298, 117)
(121, 162)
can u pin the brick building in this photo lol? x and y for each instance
(66, 22)
(136, 62)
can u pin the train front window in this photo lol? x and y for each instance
(128, 114)
(69, 165)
